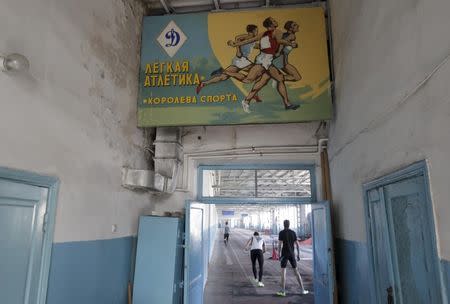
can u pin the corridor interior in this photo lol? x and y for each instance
(230, 277)
(87, 151)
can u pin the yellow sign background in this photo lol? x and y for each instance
(310, 58)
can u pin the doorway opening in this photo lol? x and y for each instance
(231, 277)
(249, 200)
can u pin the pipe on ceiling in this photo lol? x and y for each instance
(217, 5)
(166, 7)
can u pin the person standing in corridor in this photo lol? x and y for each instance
(286, 240)
(226, 234)
(257, 249)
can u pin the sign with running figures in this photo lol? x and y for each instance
(246, 67)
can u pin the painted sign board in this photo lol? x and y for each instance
(245, 67)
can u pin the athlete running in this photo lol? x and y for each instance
(286, 240)
(240, 62)
(292, 73)
(257, 249)
(263, 69)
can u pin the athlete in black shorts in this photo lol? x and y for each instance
(286, 240)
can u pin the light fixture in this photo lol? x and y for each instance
(14, 63)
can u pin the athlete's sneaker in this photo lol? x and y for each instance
(255, 280)
(246, 106)
(304, 292)
(260, 284)
(199, 87)
(281, 293)
(291, 107)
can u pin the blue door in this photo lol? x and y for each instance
(157, 275)
(22, 227)
(323, 277)
(404, 252)
(402, 237)
(194, 275)
(381, 252)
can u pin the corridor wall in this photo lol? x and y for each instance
(73, 116)
(392, 66)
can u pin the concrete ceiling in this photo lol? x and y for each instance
(161, 7)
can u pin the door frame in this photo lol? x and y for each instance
(52, 184)
(416, 169)
(187, 240)
(236, 200)
(326, 205)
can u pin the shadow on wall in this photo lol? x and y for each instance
(352, 272)
(90, 272)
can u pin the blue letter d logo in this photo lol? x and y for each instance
(173, 38)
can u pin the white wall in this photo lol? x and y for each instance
(393, 102)
(284, 143)
(74, 115)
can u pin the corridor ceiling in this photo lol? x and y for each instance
(265, 183)
(162, 7)
(248, 208)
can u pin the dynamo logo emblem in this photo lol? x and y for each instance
(171, 39)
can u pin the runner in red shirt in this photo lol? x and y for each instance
(263, 69)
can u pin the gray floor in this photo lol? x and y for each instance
(230, 275)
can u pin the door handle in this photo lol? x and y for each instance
(390, 296)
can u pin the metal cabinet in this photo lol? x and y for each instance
(159, 261)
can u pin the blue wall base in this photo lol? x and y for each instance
(353, 273)
(354, 276)
(97, 272)
(91, 272)
(445, 265)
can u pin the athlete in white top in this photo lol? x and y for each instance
(263, 69)
(240, 62)
(257, 249)
(292, 73)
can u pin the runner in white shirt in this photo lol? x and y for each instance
(257, 249)
(240, 62)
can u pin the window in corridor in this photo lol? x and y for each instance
(271, 183)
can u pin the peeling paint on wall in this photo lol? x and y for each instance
(77, 113)
(115, 67)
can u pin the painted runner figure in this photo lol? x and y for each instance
(240, 62)
(257, 249)
(282, 56)
(286, 240)
(263, 69)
